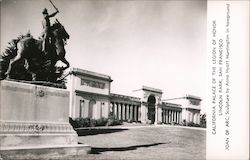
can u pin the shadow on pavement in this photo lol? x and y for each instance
(95, 150)
(95, 131)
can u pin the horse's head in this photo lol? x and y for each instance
(59, 30)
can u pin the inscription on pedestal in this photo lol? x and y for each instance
(24, 127)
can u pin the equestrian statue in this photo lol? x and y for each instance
(30, 59)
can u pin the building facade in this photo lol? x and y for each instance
(90, 97)
(190, 107)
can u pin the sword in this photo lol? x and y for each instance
(53, 5)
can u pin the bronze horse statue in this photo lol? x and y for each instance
(38, 64)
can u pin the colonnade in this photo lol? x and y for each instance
(169, 116)
(123, 111)
(193, 117)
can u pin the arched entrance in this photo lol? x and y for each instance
(151, 108)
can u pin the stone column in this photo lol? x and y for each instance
(180, 117)
(127, 114)
(119, 111)
(101, 109)
(95, 110)
(86, 108)
(177, 120)
(198, 114)
(115, 110)
(139, 113)
(131, 112)
(194, 119)
(159, 112)
(107, 109)
(111, 109)
(156, 114)
(143, 112)
(169, 116)
(135, 112)
(127, 111)
(172, 116)
(123, 112)
(165, 115)
(166, 118)
(120, 107)
(176, 116)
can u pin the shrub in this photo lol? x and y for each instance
(130, 120)
(159, 122)
(88, 122)
(114, 122)
(173, 123)
(83, 122)
(184, 123)
(192, 124)
(92, 123)
(73, 123)
(102, 122)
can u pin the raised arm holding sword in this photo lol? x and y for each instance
(46, 27)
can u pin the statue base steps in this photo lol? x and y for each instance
(34, 123)
(46, 152)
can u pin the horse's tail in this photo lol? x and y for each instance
(5, 57)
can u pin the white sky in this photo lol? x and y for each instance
(161, 44)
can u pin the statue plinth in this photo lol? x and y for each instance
(34, 122)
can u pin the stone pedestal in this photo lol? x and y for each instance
(34, 122)
(144, 111)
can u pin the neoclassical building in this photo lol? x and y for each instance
(90, 97)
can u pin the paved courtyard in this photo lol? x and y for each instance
(145, 142)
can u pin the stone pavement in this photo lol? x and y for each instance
(144, 142)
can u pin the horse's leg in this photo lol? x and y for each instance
(33, 75)
(65, 62)
(15, 59)
(61, 56)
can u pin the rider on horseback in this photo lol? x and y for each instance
(46, 29)
(29, 59)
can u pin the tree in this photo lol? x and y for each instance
(203, 120)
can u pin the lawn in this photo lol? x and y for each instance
(148, 142)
